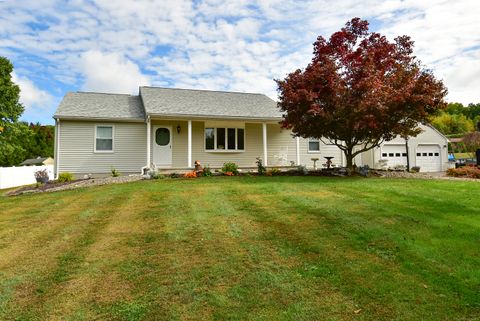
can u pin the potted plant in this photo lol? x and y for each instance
(41, 176)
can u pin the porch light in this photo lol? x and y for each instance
(178, 129)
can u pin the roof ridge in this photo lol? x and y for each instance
(209, 90)
(102, 93)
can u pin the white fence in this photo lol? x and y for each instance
(24, 175)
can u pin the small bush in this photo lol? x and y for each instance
(65, 177)
(260, 168)
(415, 169)
(190, 175)
(303, 170)
(274, 172)
(115, 172)
(156, 175)
(207, 172)
(230, 167)
(466, 171)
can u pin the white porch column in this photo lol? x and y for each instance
(149, 144)
(297, 141)
(265, 151)
(189, 144)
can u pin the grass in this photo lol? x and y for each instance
(464, 155)
(247, 248)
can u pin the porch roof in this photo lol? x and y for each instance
(206, 103)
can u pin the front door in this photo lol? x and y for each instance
(162, 146)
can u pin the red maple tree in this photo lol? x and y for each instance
(359, 90)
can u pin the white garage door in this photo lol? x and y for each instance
(428, 158)
(395, 154)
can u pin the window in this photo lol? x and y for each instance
(437, 154)
(419, 154)
(404, 154)
(430, 154)
(224, 139)
(391, 154)
(397, 154)
(313, 145)
(220, 138)
(209, 138)
(384, 154)
(104, 138)
(424, 154)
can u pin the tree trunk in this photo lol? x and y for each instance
(349, 157)
(408, 155)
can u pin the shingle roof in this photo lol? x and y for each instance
(206, 103)
(100, 106)
(33, 161)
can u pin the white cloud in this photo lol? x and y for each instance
(31, 96)
(103, 45)
(110, 72)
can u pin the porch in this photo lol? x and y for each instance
(175, 144)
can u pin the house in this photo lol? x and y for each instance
(39, 161)
(170, 129)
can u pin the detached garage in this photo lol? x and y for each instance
(429, 151)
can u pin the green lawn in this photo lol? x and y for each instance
(245, 248)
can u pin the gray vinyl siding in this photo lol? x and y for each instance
(77, 154)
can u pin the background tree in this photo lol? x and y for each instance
(452, 123)
(472, 141)
(359, 90)
(41, 142)
(12, 132)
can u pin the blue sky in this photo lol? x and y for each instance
(239, 45)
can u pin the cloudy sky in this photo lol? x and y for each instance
(239, 45)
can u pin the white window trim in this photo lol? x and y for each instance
(95, 139)
(215, 150)
(313, 151)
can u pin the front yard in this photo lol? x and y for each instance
(246, 248)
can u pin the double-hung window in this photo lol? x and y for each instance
(313, 145)
(104, 138)
(224, 139)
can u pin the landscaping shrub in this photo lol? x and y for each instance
(415, 169)
(115, 172)
(65, 177)
(302, 170)
(230, 167)
(190, 175)
(207, 172)
(274, 172)
(260, 168)
(156, 175)
(466, 171)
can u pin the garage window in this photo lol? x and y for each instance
(404, 154)
(391, 154)
(430, 154)
(419, 154)
(437, 154)
(424, 154)
(384, 154)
